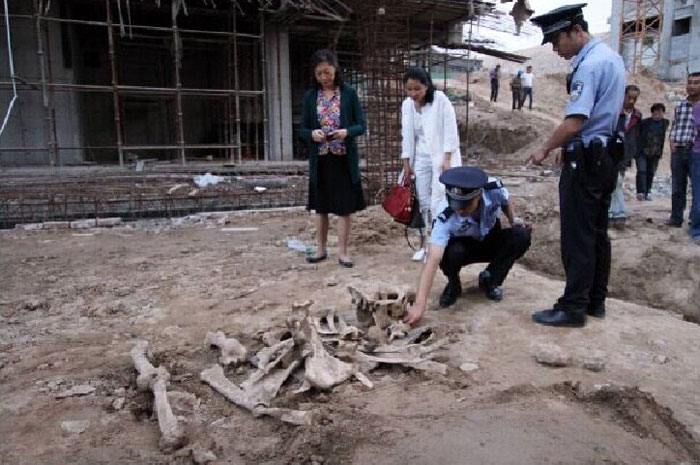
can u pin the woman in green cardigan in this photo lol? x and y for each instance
(331, 120)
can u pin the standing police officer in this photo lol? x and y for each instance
(589, 151)
(469, 231)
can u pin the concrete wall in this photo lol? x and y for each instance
(27, 126)
(279, 94)
(694, 44)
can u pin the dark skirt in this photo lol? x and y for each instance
(335, 192)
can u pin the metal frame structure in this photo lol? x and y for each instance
(375, 40)
(233, 94)
(641, 23)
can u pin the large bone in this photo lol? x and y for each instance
(232, 351)
(407, 360)
(321, 369)
(384, 306)
(409, 357)
(215, 378)
(156, 379)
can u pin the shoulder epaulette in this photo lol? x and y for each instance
(494, 183)
(445, 214)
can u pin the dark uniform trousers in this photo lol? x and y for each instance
(500, 249)
(584, 196)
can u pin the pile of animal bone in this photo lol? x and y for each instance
(321, 343)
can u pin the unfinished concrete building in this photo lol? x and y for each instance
(661, 36)
(196, 86)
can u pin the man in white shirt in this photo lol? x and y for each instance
(527, 78)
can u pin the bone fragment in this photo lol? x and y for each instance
(263, 390)
(270, 338)
(332, 324)
(322, 370)
(407, 360)
(200, 455)
(156, 379)
(215, 378)
(171, 434)
(232, 351)
(147, 372)
(398, 330)
(80, 390)
(269, 357)
(302, 306)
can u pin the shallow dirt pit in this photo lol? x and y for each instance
(536, 425)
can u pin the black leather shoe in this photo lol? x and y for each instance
(597, 311)
(494, 293)
(674, 224)
(560, 318)
(450, 294)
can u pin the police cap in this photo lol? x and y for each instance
(558, 19)
(462, 184)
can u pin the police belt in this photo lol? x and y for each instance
(575, 151)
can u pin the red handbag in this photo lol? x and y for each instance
(399, 202)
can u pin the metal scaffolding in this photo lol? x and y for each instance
(375, 40)
(640, 37)
(242, 139)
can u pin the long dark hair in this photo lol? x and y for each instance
(325, 55)
(422, 76)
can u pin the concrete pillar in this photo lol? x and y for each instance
(666, 36)
(279, 93)
(694, 48)
(616, 26)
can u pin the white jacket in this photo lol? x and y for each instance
(440, 129)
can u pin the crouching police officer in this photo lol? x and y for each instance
(589, 156)
(469, 231)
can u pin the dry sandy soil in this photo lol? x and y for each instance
(73, 304)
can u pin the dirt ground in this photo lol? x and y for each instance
(73, 304)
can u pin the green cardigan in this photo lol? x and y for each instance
(351, 118)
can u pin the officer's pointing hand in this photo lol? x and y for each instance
(414, 315)
(537, 157)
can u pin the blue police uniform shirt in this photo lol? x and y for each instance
(492, 200)
(597, 90)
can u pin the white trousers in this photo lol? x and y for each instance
(429, 190)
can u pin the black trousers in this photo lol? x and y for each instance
(517, 100)
(500, 249)
(646, 169)
(494, 90)
(584, 196)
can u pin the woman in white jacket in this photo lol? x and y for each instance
(430, 142)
